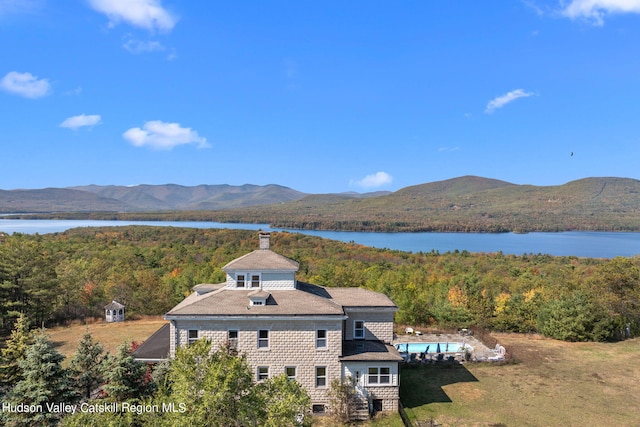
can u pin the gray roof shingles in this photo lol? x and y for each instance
(156, 347)
(263, 260)
(306, 300)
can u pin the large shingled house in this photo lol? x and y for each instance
(314, 334)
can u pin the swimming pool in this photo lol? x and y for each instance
(431, 347)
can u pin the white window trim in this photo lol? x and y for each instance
(248, 280)
(295, 372)
(258, 373)
(325, 339)
(233, 342)
(192, 340)
(317, 377)
(268, 338)
(378, 375)
(355, 329)
(244, 280)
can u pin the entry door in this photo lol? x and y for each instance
(359, 383)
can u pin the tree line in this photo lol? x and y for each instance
(200, 386)
(58, 277)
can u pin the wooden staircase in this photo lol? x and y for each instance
(361, 410)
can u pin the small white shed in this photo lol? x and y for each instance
(114, 312)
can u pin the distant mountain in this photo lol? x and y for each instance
(464, 204)
(201, 197)
(96, 198)
(468, 203)
(57, 200)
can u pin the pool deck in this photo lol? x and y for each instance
(479, 352)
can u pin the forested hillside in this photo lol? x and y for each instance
(62, 276)
(465, 204)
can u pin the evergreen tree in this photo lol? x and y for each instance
(126, 378)
(87, 364)
(16, 345)
(44, 381)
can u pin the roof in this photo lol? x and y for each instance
(204, 288)
(114, 305)
(359, 297)
(306, 300)
(156, 347)
(369, 351)
(262, 259)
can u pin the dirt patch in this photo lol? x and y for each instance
(528, 349)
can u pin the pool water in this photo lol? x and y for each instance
(430, 347)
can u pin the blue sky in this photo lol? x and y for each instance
(321, 96)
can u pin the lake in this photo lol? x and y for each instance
(577, 243)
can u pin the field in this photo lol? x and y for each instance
(110, 335)
(551, 383)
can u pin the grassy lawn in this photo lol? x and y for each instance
(552, 383)
(110, 335)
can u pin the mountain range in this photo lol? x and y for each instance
(466, 203)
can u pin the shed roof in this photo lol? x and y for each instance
(113, 305)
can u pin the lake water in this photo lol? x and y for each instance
(582, 244)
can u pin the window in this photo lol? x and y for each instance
(318, 408)
(232, 338)
(321, 338)
(321, 376)
(247, 280)
(240, 280)
(379, 375)
(358, 329)
(291, 372)
(192, 336)
(263, 338)
(263, 373)
(255, 280)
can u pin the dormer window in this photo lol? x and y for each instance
(259, 297)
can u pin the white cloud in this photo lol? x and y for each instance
(595, 10)
(147, 14)
(140, 46)
(25, 84)
(82, 120)
(163, 136)
(503, 100)
(377, 179)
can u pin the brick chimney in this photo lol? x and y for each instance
(264, 239)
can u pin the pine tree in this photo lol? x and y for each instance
(126, 378)
(44, 381)
(16, 345)
(87, 364)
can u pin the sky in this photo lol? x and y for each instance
(320, 96)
